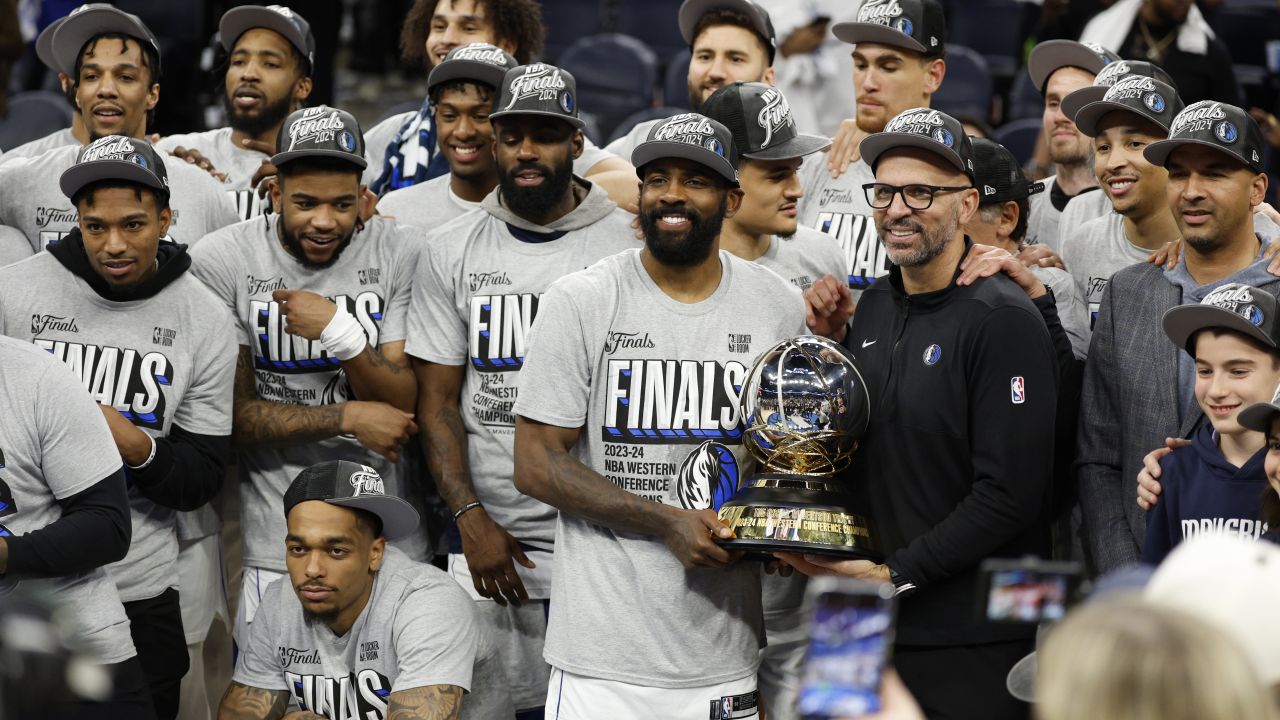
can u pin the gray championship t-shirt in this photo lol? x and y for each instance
(238, 163)
(1079, 210)
(1042, 222)
(40, 146)
(1071, 309)
(417, 629)
(804, 257)
(1093, 254)
(164, 360)
(839, 208)
(32, 202)
(427, 205)
(56, 444)
(654, 385)
(475, 298)
(625, 145)
(245, 263)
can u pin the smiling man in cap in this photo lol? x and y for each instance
(1138, 389)
(476, 293)
(659, 314)
(270, 56)
(356, 628)
(974, 366)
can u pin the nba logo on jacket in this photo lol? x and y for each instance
(1017, 390)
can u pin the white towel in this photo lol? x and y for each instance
(1109, 28)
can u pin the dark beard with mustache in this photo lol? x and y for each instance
(533, 202)
(293, 244)
(694, 246)
(270, 115)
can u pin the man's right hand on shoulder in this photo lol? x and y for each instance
(828, 307)
(691, 536)
(490, 549)
(1148, 476)
(378, 426)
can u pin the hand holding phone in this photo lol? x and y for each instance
(850, 637)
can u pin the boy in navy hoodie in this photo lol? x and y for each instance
(1215, 484)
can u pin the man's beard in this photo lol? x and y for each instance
(293, 244)
(695, 99)
(270, 115)
(532, 202)
(1073, 156)
(314, 619)
(933, 242)
(697, 242)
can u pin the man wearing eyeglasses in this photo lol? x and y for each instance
(957, 462)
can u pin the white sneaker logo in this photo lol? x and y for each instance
(869, 343)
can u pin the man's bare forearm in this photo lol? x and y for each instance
(257, 422)
(374, 376)
(444, 440)
(242, 702)
(433, 702)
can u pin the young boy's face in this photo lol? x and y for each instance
(1272, 463)
(1231, 373)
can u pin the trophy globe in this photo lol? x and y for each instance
(806, 407)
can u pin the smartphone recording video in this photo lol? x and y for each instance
(1029, 591)
(850, 636)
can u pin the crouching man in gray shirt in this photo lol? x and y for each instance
(356, 628)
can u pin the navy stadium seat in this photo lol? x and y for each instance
(654, 23)
(1245, 30)
(966, 89)
(1020, 137)
(616, 76)
(635, 118)
(1025, 100)
(567, 21)
(990, 27)
(33, 115)
(675, 87)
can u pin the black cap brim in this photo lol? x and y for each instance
(648, 151)
(577, 123)
(1088, 117)
(239, 20)
(1157, 153)
(78, 176)
(876, 144)
(856, 32)
(1183, 321)
(1075, 101)
(1258, 416)
(798, 146)
(465, 70)
(357, 161)
(1050, 56)
(397, 515)
(76, 30)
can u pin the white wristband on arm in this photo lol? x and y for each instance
(343, 337)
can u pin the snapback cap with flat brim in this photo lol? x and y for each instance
(1216, 125)
(1108, 76)
(1139, 95)
(693, 137)
(349, 484)
(284, 21)
(1242, 308)
(44, 48)
(115, 157)
(538, 89)
(926, 129)
(691, 11)
(88, 22)
(1048, 57)
(320, 132)
(1259, 416)
(917, 25)
(477, 62)
(760, 120)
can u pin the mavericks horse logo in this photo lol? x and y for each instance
(708, 477)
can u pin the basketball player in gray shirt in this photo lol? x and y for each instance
(476, 295)
(64, 514)
(116, 304)
(356, 629)
(628, 422)
(463, 90)
(270, 55)
(319, 300)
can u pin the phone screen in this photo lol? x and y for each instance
(1029, 596)
(849, 641)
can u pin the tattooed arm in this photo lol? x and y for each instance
(383, 374)
(488, 547)
(547, 470)
(242, 702)
(433, 702)
(257, 422)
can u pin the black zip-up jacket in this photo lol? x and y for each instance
(957, 463)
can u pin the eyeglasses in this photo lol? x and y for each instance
(916, 196)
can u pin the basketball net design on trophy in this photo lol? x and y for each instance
(806, 407)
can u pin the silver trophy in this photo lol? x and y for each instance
(806, 407)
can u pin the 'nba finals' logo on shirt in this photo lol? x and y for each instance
(673, 401)
(40, 323)
(540, 81)
(481, 52)
(775, 115)
(366, 481)
(278, 351)
(498, 330)
(363, 694)
(129, 381)
(1197, 117)
(880, 12)
(315, 128)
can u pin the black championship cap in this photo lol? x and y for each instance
(1137, 94)
(88, 22)
(1110, 75)
(1258, 416)
(1234, 306)
(115, 157)
(320, 132)
(538, 89)
(760, 120)
(342, 482)
(997, 174)
(1216, 125)
(923, 128)
(692, 137)
(44, 47)
(288, 23)
(917, 25)
(478, 62)
(691, 11)
(1052, 55)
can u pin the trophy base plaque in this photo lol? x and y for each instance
(796, 513)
